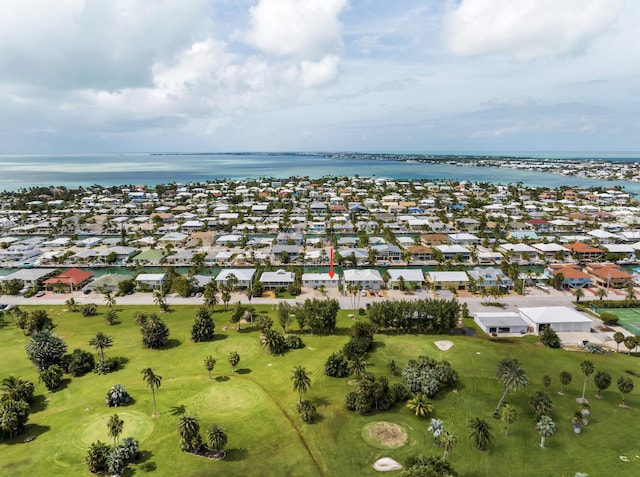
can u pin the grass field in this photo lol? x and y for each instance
(257, 406)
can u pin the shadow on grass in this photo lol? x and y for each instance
(320, 401)
(234, 455)
(39, 403)
(222, 379)
(376, 345)
(178, 410)
(172, 343)
(243, 371)
(219, 337)
(30, 433)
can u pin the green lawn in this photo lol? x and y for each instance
(257, 404)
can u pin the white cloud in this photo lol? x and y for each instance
(308, 29)
(527, 29)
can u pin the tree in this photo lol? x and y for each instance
(284, 315)
(540, 404)
(546, 381)
(480, 432)
(189, 430)
(109, 299)
(45, 349)
(630, 293)
(301, 381)
(625, 386)
(210, 294)
(579, 293)
(17, 389)
(153, 382)
(436, 428)
(449, 441)
(160, 299)
(111, 317)
(602, 293)
(587, 369)
(114, 428)
(420, 406)
(96, 458)
(357, 365)
(203, 327)
(602, 380)
(565, 380)
(52, 377)
(216, 438)
(512, 377)
(71, 305)
(618, 337)
(546, 428)
(509, 416)
(550, 338)
(336, 365)
(155, 334)
(117, 396)
(234, 359)
(100, 342)
(209, 364)
(630, 342)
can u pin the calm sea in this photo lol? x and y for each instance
(24, 171)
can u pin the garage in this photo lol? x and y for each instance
(559, 318)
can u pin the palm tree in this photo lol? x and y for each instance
(160, 299)
(509, 416)
(630, 343)
(420, 406)
(153, 382)
(579, 293)
(189, 430)
(301, 381)
(234, 359)
(587, 369)
(545, 427)
(565, 380)
(480, 432)
(216, 438)
(436, 428)
(618, 337)
(602, 380)
(114, 427)
(602, 293)
(17, 389)
(71, 305)
(357, 366)
(625, 386)
(449, 441)
(209, 363)
(100, 342)
(630, 293)
(109, 299)
(512, 377)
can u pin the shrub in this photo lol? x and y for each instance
(89, 309)
(550, 338)
(336, 366)
(594, 348)
(293, 342)
(357, 347)
(52, 377)
(97, 456)
(609, 318)
(78, 363)
(307, 411)
(155, 334)
(117, 396)
(400, 392)
(264, 323)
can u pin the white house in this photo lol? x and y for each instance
(243, 275)
(367, 278)
(559, 318)
(316, 280)
(280, 278)
(411, 276)
(154, 280)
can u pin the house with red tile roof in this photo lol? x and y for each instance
(582, 251)
(609, 274)
(573, 277)
(68, 281)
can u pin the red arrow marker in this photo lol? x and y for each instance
(331, 272)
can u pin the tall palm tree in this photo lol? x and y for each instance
(587, 369)
(216, 438)
(618, 337)
(512, 377)
(109, 299)
(160, 299)
(579, 293)
(480, 432)
(234, 359)
(630, 293)
(602, 293)
(545, 427)
(301, 381)
(209, 363)
(420, 406)
(509, 416)
(565, 380)
(449, 441)
(153, 382)
(17, 389)
(100, 342)
(114, 427)
(189, 430)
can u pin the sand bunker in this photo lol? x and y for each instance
(444, 345)
(386, 464)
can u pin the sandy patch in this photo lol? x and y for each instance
(386, 435)
(386, 464)
(444, 345)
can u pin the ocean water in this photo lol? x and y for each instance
(24, 171)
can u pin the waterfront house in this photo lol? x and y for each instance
(151, 280)
(366, 278)
(69, 280)
(608, 274)
(278, 279)
(457, 280)
(489, 277)
(583, 252)
(573, 277)
(244, 276)
(412, 277)
(316, 280)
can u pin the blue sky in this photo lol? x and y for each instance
(321, 75)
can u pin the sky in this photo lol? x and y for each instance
(319, 75)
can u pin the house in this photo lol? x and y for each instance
(490, 277)
(389, 252)
(501, 323)
(69, 280)
(411, 277)
(572, 276)
(519, 251)
(584, 252)
(108, 282)
(29, 276)
(430, 240)
(244, 276)
(551, 251)
(419, 253)
(152, 280)
(289, 239)
(446, 280)
(558, 318)
(286, 253)
(608, 274)
(280, 278)
(316, 280)
(454, 252)
(150, 257)
(464, 238)
(366, 278)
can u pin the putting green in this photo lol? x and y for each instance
(235, 399)
(136, 425)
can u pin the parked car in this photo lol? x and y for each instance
(40, 293)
